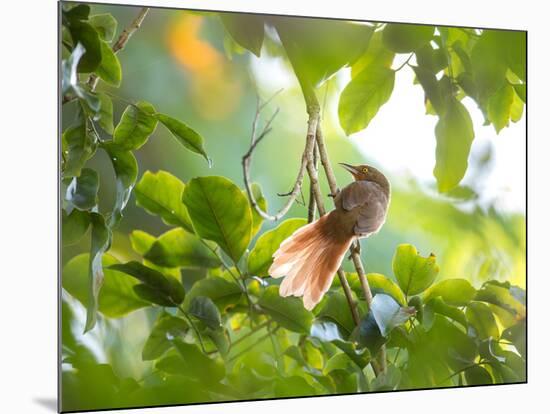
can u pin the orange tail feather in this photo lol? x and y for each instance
(308, 260)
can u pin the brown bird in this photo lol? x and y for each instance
(310, 257)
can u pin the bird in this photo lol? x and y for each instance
(309, 258)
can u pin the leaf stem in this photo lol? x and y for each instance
(404, 63)
(194, 327)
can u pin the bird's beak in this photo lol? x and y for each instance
(349, 168)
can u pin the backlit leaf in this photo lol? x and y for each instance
(220, 212)
(414, 273)
(186, 136)
(363, 96)
(245, 29)
(287, 312)
(456, 292)
(109, 69)
(105, 24)
(499, 107)
(136, 125)
(159, 340)
(404, 38)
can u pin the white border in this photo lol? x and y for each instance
(28, 203)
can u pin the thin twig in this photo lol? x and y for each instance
(193, 326)
(312, 204)
(247, 160)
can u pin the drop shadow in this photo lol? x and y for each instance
(48, 403)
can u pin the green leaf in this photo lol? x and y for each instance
(84, 33)
(287, 312)
(363, 96)
(202, 308)
(387, 380)
(456, 292)
(160, 194)
(261, 256)
(336, 309)
(432, 89)
(79, 145)
(437, 305)
(454, 133)
(521, 90)
(136, 125)
(82, 191)
(257, 220)
(517, 334)
(178, 248)
(499, 107)
(105, 24)
(293, 386)
(501, 296)
(126, 170)
(378, 284)
(109, 69)
(414, 273)
(116, 297)
(432, 59)
(186, 136)
(376, 54)
(404, 38)
(101, 240)
(105, 115)
(388, 313)
(479, 315)
(315, 46)
(73, 226)
(477, 375)
(246, 30)
(339, 361)
(224, 293)
(165, 286)
(141, 241)
(199, 365)
(152, 295)
(78, 12)
(220, 212)
(158, 342)
(516, 110)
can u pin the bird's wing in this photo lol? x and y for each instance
(370, 204)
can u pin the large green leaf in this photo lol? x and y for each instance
(414, 273)
(188, 137)
(82, 191)
(116, 297)
(479, 315)
(224, 293)
(126, 170)
(376, 54)
(378, 283)
(388, 313)
(220, 212)
(160, 194)
(336, 309)
(157, 283)
(84, 33)
(178, 248)
(202, 308)
(454, 133)
(158, 342)
(105, 24)
(477, 375)
(109, 69)
(287, 312)
(316, 47)
(502, 295)
(79, 145)
(404, 38)
(456, 292)
(245, 29)
(499, 107)
(73, 226)
(136, 125)
(363, 96)
(141, 241)
(101, 240)
(261, 256)
(105, 115)
(197, 364)
(437, 305)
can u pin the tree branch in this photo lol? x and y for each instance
(247, 160)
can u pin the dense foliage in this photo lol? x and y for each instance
(205, 280)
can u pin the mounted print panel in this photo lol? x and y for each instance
(259, 206)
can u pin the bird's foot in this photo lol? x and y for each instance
(333, 195)
(355, 248)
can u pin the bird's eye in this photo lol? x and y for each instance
(365, 170)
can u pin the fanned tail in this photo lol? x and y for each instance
(309, 258)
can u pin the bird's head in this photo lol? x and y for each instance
(366, 172)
